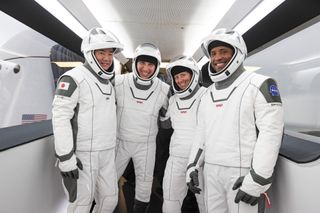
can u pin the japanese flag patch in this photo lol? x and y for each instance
(63, 85)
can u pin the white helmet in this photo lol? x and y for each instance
(232, 38)
(180, 64)
(150, 53)
(99, 38)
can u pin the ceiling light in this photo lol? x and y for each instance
(57, 10)
(259, 12)
(64, 64)
(164, 64)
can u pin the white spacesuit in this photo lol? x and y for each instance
(182, 112)
(84, 126)
(239, 132)
(139, 102)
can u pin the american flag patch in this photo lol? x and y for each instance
(31, 118)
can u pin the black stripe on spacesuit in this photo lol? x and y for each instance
(194, 163)
(224, 98)
(74, 125)
(140, 98)
(261, 204)
(65, 157)
(185, 107)
(170, 93)
(71, 88)
(259, 179)
(269, 90)
(104, 93)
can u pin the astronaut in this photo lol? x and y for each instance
(239, 131)
(182, 113)
(141, 97)
(84, 126)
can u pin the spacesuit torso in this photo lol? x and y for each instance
(92, 112)
(233, 129)
(183, 116)
(137, 109)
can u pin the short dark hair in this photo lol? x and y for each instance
(217, 43)
(147, 58)
(178, 69)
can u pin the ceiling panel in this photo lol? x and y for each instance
(177, 27)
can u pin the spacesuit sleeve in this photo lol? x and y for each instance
(164, 117)
(64, 104)
(269, 122)
(196, 157)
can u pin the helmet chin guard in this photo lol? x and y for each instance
(187, 64)
(235, 40)
(99, 38)
(146, 50)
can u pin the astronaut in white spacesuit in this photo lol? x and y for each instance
(84, 126)
(141, 97)
(239, 131)
(182, 113)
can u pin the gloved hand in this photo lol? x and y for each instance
(243, 196)
(74, 174)
(70, 177)
(194, 182)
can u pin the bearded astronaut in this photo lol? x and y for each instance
(239, 132)
(141, 98)
(84, 126)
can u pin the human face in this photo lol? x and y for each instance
(145, 69)
(220, 57)
(183, 79)
(104, 57)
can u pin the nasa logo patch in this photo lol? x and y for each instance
(273, 89)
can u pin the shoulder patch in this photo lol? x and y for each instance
(66, 86)
(270, 91)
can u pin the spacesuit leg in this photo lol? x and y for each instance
(219, 196)
(143, 160)
(174, 186)
(84, 184)
(214, 192)
(122, 157)
(106, 195)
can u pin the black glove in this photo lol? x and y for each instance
(243, 196)
(74, 174)
(70, 181)
(194, 182)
